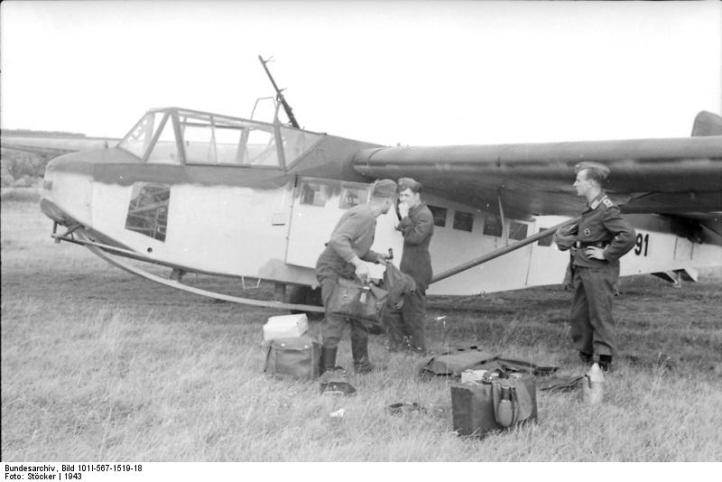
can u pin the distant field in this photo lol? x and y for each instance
(99, 365)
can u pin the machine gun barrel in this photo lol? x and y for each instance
(279, 95)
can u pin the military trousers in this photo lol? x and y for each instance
(405, 327)
(592, 322)
(333, 325)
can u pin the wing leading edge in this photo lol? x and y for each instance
(679, 175)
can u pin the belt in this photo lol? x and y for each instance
(596, 244)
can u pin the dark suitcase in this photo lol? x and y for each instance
(481, 408)
(362, 302)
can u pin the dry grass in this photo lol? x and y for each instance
(98, 365)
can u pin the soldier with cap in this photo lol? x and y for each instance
(597, 242)
(406, 327)
(344, 257)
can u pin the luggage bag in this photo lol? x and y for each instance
(295, 358)
(359, 301)
(496, 404)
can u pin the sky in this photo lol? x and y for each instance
(410, 73)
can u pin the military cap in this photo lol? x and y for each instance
(384, 188)
(598, 172)
(409, 183)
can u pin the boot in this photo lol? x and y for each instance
(360, 354)
(586, 358)
(605, 362)
(328, 359)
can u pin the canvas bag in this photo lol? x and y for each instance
(452, 363)
(512, 401)
(397, 284)
(294, 358)
(355, 300)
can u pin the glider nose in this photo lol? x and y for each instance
(68, 189)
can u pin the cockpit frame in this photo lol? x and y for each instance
(203, 138)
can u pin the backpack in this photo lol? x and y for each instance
(296, 358)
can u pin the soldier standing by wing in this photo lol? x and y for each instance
(406, 327)
(344, 256)
(600, 239)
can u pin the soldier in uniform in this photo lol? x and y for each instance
(601, 237)
(406, 327)
(344, 256)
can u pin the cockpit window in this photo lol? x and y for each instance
(140, 137)
(215, 139)
(296, 142)
(165, 149)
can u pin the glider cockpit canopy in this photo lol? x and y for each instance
(182, 136)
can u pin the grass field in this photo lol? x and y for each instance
(100, 365)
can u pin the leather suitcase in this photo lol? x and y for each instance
(473, 406)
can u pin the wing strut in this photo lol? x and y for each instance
(501, 251)
(501, 211)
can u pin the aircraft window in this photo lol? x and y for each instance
(492, 225)
(148, 210)
(315, 193)
(463, 221)
(165, 149)
(517, 230)
(296, 142)
(139, 138)
(217, 140)
(546, 240)
(227, 141)
(200, 145)
(261, 148)
(352, 196)
(439, 215)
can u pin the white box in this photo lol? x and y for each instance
(472, 376)
(285, 326)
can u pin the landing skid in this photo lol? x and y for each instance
(102, 251)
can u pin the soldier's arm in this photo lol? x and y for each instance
(565, 237)
(416, 231)
(623, 233)
(373, 256)
(344, 235)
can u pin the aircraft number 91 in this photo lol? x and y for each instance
(641, 243)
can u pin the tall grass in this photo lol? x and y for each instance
(97, 365)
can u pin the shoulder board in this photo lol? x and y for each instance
(607, 202)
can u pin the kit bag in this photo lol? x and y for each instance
(398, 285)
(293, 358)
(452, 363)
(493, 404)
(356, 300)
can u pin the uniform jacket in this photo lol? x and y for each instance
(602, 225)
(352, 236)
(417, 228)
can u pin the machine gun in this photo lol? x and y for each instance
(279, 95)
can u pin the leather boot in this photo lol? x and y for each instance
(586, 358)
(328, 359)
(360, 354)
(605, 362)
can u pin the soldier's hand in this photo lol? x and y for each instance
(363, 272)
(594, 253)
(403, 210)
